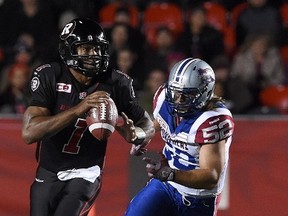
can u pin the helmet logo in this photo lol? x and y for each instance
(67, 30)
(205, 75)
(90, 38)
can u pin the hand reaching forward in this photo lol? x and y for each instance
(127, 131)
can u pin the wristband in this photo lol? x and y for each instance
(140, 136)
(166, 174)
(171, 176)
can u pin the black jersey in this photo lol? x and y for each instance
(55, 88)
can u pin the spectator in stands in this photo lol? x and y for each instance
(23, 52)
(14, 98)
(119, 38)
(35, 17)
(155, 79)
(136, 38)
(127, 63)
(221, 67)
(200, 39)
(258, 18)
(123, 15)
(157, 51)
(257, 65)
(24, 49)
(224, 85)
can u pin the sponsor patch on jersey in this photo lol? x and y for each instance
(35, 82)
(63, 87)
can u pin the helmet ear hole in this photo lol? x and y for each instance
(62, 51)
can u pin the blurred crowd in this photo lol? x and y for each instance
(245, 42)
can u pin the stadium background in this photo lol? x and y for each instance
(257, 181)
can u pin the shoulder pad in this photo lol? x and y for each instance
(215, 129)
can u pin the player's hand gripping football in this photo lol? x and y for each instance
(127, 130)
(90, 101)
(159, 169)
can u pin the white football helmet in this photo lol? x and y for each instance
(190, 86)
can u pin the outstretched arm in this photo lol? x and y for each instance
(139, 134)
(212, 157)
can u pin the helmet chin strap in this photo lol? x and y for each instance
(83, 71)
(89, 72)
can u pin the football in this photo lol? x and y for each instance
(101, 120)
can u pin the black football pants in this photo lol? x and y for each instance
(51, 197)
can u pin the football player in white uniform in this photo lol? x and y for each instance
(197, 130)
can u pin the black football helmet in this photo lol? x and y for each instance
(83, 31)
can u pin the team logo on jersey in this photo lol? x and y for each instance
(35, 82)
(82, 95)
(63, 87)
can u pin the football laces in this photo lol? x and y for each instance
(102, 111)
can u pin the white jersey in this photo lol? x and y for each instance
(182, 143)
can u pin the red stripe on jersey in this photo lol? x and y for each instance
(215, 129)
(156, 95)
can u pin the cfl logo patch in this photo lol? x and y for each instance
(63, 87)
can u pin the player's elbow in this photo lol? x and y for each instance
(27, 140)
(211, 185)
(213, 180)
(26, 136)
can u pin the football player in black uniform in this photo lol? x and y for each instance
(68, 177)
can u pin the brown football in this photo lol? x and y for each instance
(101, 120)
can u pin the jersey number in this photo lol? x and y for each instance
(72, 147)
(217, 132)
(181, 159)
